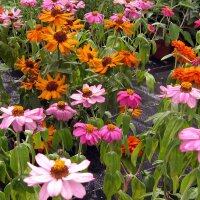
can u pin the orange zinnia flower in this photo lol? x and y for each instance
(107, 62)
(129, 58)
(133, 112)
(120, 25)
(132, 144)
(178, 73)
(182, 50)
(28, 66)
(36, 35)
(59, 39)
(192, 75)
(51, 88)
(73, 25)
(55, 16)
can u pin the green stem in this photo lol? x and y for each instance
(93, 114)
(61, 127)
(79, 149)
(18, 138)
(58, 57)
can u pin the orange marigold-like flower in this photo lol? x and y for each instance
(182, 50)
(30, 83)
(129, 58)
(73, 25)
(59, 39)
(28, 66)
(178, 73)
(107, 62)
(51, 88)
(132, 144)
(119, 25)
(56, 17)
(133, 112)
(192, 75)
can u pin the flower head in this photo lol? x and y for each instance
(58, 177)
(12, 14)
(132, 12)
(110, 133)
(51, 88)
(61, 111)
(142, 5)
(51, 4)
(130, 58)
(89, 95)
(190, 140)
(128, 98)
(197, 23)
(151, 28)
(116, 17)
(167, 11)
(21, 119)
(183, 94)
(29, 3)
(88, 133)
(94, 17)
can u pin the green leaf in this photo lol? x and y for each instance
(45, 135)
(37, 139)
(144, 52)
(3, 171)
(119, 119)
(98, 122)
(174, 31)
(56, 139)
(187, 37)
(154, 46)
(150, 147)
(150, 81)
(198, 37)
(186, 5)
(167, 56)
(125, 123)
(135, 153)
(2, 196)
(66, 138)
(138, 188)
(112, 161)
(124, 196)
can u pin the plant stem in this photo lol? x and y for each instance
(79, 149)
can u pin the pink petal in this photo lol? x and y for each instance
(43, 195)
(79, 167)
(80, 177)
(6, 122)
(66, 191)
(43, 161)
(54, 187)
(77, 189)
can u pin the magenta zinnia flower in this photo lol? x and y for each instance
(119, 16)
(94, 17)
(29, 3)
(197, 23)
(61, 111)
(141, 5)
(190, 140)
(132, 13)
(151, 28)
(20, 119)
(110, 133)
(129, 98)
(88, 133)
(58, 177)
(183, 94)
(89, 95)
(51, 4)
(167, 12)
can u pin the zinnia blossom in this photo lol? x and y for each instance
(142, 5)
(132, 12)
(183, 94)
(151, 28)
(51, 4)
(116, 17)
(167, 12)
(51, 88)
(88, 133)
(61, 111)
(29, 3)
(89, 95)
(110, 133)
(94, 17)
(21, 119)
(10, 15)
(58, 177)
(36, 34)
(128, 98)
(197, 23)
(130, 58)
(190, 140)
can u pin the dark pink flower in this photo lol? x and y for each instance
(167, 11)
(132, 13)
(197, 23)
(151, 28)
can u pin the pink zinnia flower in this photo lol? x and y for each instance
(151, 28)
(183, 94)
(190, 140)
(167, 12)
(61, 111)
(118, 16)
(89, 95)
(88, 133)
(94, 17)
(110, 133)
(197, 23)
(10, 15)
(18, 24)
(132, 13)
(51, 4)
(141, 5)
(129, 98)
(58, 177)
(30, 3)
(18, 118)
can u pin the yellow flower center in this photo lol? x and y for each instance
(130, 91)
(89, 128)
(186, 87)
(38, 27)
(120, 15)
(86, 92)
(94, 13)
(10, 13)
(106, 61)
(18, 111)
(61, 105)
(111, 127)
(51, 86)
(168, 9)
(59, 169)
(29, 64)
(60, 36)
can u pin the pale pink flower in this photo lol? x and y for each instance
(94, 17)
(190, 140)
(18, 24)
(110, 133)
(183, 94)
(10, 15)
(197, 23)
(128, 98)
(20, 119)
(120, 1)
(61, 111)
(88, 133)
(89, 95)
(132, 13)
(117, 16)
(167, 12)
(73, 5)
(80, 4)
(58, 177)
(151, 28)
(141, 5)
(51, 4)
(29, 3)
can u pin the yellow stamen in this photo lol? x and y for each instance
(89, 128)
(61, 105)
(130, 91)
(18, 111)
(59, 169)
(186, 87)
(111, 127)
